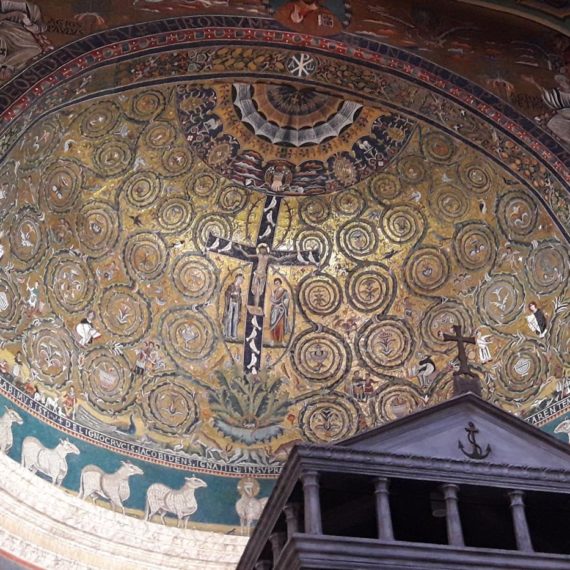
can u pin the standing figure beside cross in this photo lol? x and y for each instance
(260, 256)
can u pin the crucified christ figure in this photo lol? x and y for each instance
(263, 258)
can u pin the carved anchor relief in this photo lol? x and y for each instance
(476, 450)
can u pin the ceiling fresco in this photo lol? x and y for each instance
(498, 44)
(211, 252)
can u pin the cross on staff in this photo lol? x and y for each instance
(461, 341)
(260, 256)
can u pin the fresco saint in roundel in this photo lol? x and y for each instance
(317, 17)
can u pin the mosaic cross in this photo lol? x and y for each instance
(260, 256)
(461, 342)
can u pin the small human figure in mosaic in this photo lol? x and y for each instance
(232, 308)
(279, 315)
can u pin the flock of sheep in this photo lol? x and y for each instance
(114, 487)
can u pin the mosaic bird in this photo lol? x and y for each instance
(130, 429)
(136, 220)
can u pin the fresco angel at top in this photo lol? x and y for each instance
(22, 36)
(557, 99)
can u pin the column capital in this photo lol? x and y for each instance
(310, 477)
(450, 490)
(277, 540)
(381, 484)
(517, 497)
(291, 509)
(276, 536)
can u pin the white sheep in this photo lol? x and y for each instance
(50, 462)
(113, 487)
(6, 439)
(181, 502)
(563, 427)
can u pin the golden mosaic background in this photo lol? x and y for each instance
(112, 223)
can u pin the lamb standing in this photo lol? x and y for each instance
(563, 427)
(113, 487)
(6, 439)
(249, 507)
(181, 502)
(50, 462)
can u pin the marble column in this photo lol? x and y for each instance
(277, 540)
(313, 522)
(522, 534)
(291, 511)
(383, 514)
(454, 530)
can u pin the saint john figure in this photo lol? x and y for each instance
(279, 316)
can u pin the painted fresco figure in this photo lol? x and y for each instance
(86, 331)
(310, 16)
(279, 315)
(278, 176)
(248, 506)
(558, 100)
(537, 320)
(368, 387)
(232, 308)
(22, 35)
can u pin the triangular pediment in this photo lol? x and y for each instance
(436, 432)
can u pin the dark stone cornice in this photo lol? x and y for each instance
(306, 551)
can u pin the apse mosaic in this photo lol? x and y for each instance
(197, 274)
